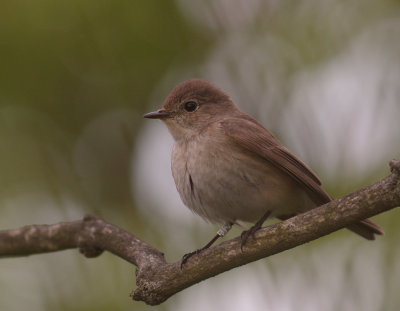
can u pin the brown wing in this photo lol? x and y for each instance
(249, 134)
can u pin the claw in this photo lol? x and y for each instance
(188, 255)
(251, 232)
(246, 234)
(221, 232)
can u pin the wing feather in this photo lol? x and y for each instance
(252, 136)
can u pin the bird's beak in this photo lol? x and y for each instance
(159, 114)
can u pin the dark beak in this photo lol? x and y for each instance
(159, 114)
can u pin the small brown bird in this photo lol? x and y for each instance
(227, 167)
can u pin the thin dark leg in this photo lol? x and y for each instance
(246, 234)
(188, 255)
(221, 232)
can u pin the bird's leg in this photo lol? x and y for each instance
(220, 233)
(247, 233)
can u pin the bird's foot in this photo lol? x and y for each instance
(221, 232)
(188, 255)
(248, 233)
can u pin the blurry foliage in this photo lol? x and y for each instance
(64, 67)
(76, 59)
(75, 78)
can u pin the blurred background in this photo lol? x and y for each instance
(75, 80)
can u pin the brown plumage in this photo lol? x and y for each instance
(227, 167)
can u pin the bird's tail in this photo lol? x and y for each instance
(366, 228)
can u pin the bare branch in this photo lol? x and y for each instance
(91, 235)
(158, 280)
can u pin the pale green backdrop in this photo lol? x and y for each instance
(75, 80)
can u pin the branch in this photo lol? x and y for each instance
(158, 280)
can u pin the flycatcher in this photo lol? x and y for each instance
(227, 167)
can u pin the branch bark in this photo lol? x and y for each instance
(157, 280)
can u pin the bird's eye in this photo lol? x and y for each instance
(190, 106)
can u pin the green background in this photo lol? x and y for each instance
(75, 80)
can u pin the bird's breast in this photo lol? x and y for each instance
(222, 182)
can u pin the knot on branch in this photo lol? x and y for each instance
(395, 166)
(87, 237)
(395, 169)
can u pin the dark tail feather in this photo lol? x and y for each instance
(366, 228)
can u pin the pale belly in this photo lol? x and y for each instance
(228, 187)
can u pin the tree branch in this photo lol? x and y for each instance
(158, 280)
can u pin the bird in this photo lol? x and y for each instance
(230, 169)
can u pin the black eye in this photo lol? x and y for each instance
(190, 106)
